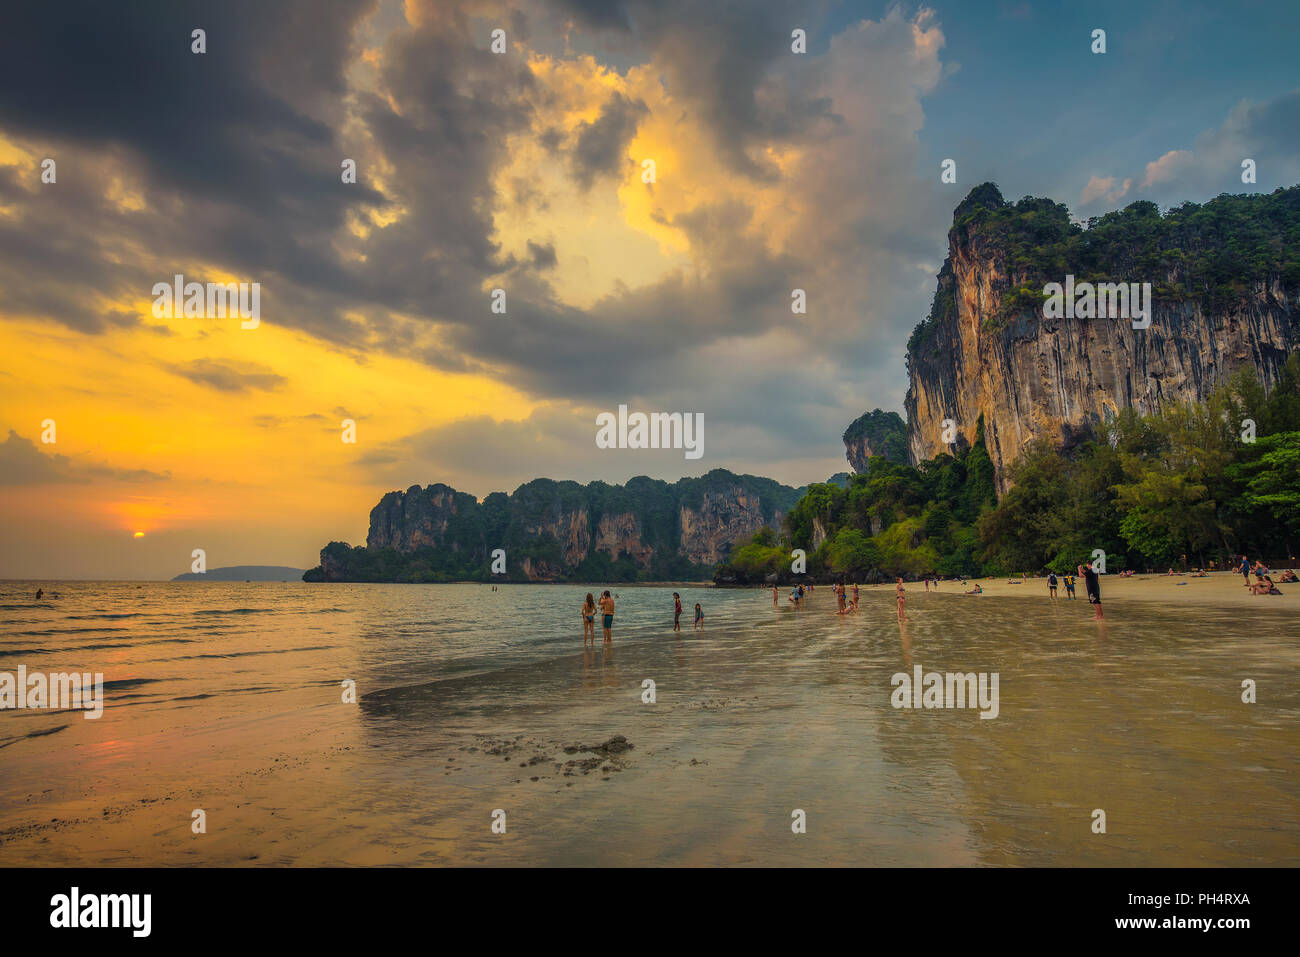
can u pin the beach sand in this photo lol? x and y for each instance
(1219, 589)
(768, 712)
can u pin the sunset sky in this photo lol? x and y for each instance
(523, 171)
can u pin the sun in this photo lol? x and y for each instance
(138, 535)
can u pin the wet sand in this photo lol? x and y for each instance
(766, 712)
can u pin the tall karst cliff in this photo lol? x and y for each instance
(555, 531)
(1225, 279)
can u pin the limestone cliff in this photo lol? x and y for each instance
(1226, 293)
(554, 531)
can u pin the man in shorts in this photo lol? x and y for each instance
(607, 609)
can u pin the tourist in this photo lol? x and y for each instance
(677, 612)
(855, 597)
(775, 595)
(1092, 585)
(1051, 584)
(589, 619)
(699, 616)
(977, 590)
(1069, 587)
(838, 588)
(1245, 570)
(902, 600)
(607, 610)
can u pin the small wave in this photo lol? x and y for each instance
(130, 682)
(32, 734)
(66, 631)
(230, 611)
(128, 614)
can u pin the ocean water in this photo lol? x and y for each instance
(473, 706)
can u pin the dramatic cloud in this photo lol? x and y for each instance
(23, 463)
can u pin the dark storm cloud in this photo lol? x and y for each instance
(543, 256)
(600, 144)
(237, 154)
(718, 55)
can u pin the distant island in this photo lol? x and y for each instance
(241, 573)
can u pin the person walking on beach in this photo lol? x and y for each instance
(1245, 570)
(699, 616)
(1051, 584)
(589, 619)
(607, 609)
(902, 600)
(1069, 587)
(1092, 585)
(677, 612)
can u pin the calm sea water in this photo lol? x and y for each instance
(228, 698)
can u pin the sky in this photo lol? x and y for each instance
(129, 439)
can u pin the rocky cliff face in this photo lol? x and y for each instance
(988, 351)
(725, 516)
(560, 530)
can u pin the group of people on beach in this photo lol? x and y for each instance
(606, 608)
(846, 606)
(1263, 585)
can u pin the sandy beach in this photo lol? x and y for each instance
(472, 702)
(1218, 589)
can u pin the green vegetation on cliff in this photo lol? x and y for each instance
(1213, 252)
(885, 434)
(1182, 486)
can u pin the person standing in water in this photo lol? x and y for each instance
(776, 598)
(1092, 585)
(855, 596)
(902, 600)
(839, 593)
(677, 612)
(607, 610)
(699, 616)
(40, 593)
(1051, 584)
(589, 619)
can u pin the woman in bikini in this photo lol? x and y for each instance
(589, 619)
(902, 600)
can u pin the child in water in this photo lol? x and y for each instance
(699, 616)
